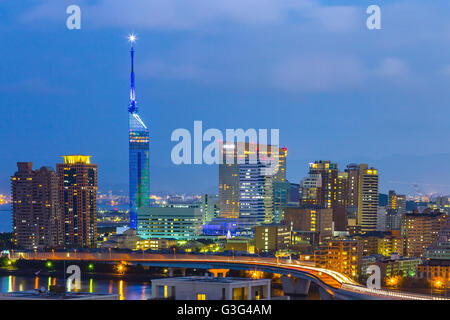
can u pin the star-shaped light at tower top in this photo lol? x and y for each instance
(132, 38)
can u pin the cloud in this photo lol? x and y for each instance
(393, 67)
(318, 73)
(33, 85)
(397, 72)
(196, 14)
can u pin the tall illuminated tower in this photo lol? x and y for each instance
(138, 152)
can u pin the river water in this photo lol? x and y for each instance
(126, 290)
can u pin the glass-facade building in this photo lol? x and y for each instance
(246, 179)
(138, 156)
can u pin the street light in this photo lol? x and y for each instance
(438, 283)
(392, 281)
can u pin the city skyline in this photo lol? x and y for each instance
(184, 68)
(270, 150)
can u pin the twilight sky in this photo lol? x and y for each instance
(310, 68)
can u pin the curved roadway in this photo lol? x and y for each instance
(336, 284)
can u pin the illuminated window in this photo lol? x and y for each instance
(201, 296)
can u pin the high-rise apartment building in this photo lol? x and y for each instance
(367, 198)
(329, 177)
(139, 165)
(327, 187)
(311, 189)
(342, 255)
(353, 185)
(36, 211)
(440, 249)
(421, 230)
(77, 179)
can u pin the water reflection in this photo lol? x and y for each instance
(121, 290)
(125, 290)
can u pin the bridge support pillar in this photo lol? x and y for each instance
(219, 273)
(295, 286)
(324, 294)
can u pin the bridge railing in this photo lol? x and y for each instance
(390, 294)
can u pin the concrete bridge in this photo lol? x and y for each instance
(297, 276)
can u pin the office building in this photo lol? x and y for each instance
(139, 165)
(77, 180)
(36, 210)
(285, 195)
(246, 179)
(272, 237)
(210, 207)
(180, 223)
(311, 219)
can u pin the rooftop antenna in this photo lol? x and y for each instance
(132, 107)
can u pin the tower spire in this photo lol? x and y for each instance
(132, 107)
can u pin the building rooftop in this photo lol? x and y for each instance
(202, 279)
(73, 159)
(437, 262)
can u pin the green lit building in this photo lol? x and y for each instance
(174, 222)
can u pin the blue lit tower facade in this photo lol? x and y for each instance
(138, 153)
